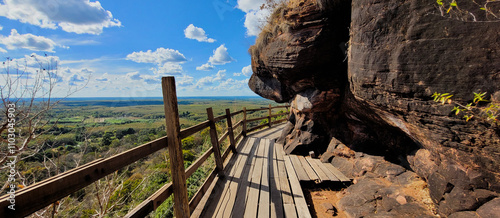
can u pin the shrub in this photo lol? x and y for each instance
(478, 108)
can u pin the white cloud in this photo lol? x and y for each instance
(209, 80)
(1, 27)
(249, 5)
(168, 69)
(185, 80)
(151, 79)
(3, 50)
(246, 71)
(220, 56)
(255, 17)
(205, 67)
(160, 56)
(254, 20)
(77, 16)
(133, 76)
(192, 32)
(28, 41)
(103, 78)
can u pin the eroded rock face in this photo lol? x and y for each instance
(378, 102)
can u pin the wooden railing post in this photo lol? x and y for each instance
(181, 203)
(230, 131)
(244, 127)
(215, 143)
(269, 117)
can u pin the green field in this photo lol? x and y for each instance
(82, 131)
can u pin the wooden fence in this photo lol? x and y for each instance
(42, 194)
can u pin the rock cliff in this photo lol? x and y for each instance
(374, 96)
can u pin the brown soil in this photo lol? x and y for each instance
(315, 198)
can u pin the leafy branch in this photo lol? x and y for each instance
(489, 113)
(453, 10)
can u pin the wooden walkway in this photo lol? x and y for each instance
(260, 181)
(310, 169)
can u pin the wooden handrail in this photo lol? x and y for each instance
(62, 185)
(256, 119)
(181, 207)
(194, 129)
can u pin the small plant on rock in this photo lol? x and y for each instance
(478, 108)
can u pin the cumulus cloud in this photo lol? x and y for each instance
(28, 41)
(103, 78)
(192, 32)
(151, 79)
(220, 56)
(76, 16)
(250, 5)
(255, 17)
(168, 60)
(133, 76)
(246, 71)
(3, 50)
(209, 80)
(205, 67)
(160, 56)
(185, 80)
(168, 69)
(1, 27)
(74, 79)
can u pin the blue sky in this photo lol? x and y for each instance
(123, 48)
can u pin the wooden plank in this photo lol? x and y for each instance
(253, 193)
(244, 128)
(181, 203)
(280, 114)
(217, 195)
(152, 202)
(242, 193)
(309, 170)
(337, 172)
(257, 127)
(225, 154)
(236, 113)
(237, 124)
(62, 185)
(257, 109)
(232, 142)
(215, 143)
(239, 177)
(219, 118)
(231, 181)
(280, 121)
(281, 106)
(276, 202)
(201, 197)
(264, 184)
(256, 119)
(238, 136)
(194, 129)
(286, 192)
(321, 175)
(298, 196)
(223, 137)
(290, 210)
(270, 112)
(328, 173)
(196, 164)
(299, 169)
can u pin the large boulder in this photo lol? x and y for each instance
(378, 101)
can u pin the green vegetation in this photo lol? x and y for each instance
(477, 108)
(453, 9)
(82, 131)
